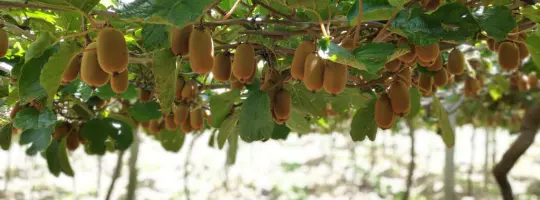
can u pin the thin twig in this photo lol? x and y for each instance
(16, 30)
(272, 10)
(116, 174)
(382, 33)
(358, 23)
(232, 10)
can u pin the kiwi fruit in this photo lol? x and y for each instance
(154, 126)
(450, 79)
(181, 114)
(112, 51)
(73, 141)
(170, 123)
(282, 105)
(186, 128)
(237, 85)
(16, 108)
(425, 64)
(441, 78)
(384, 115)
(523, 50)
(456, 62)
(425, 82)
(427, 53)
(512, 35)
(180, 40)
(432, 5)
(144, 95)
(101, 103)
(491, 44)
(314, 72)
(251, 77)
(120, 82)
(300, 55)
(405, 75)
(271, 79)
(190, 90)
(72, 70)
(392, 66)
(471, 87)
(437, 65)
(201, 51)
(533, 80)
(196, 119)
(145, 124)
(222, 67)
(508, 56)
(409, 56)
(522, 84)
(91, 72)
(4, 40)
(348, 44)
(61, 130)
(244, 62)
(399, 95)
(335, 78)
(475, 63)
(180, 82)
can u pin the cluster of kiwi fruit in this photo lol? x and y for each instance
(197, 42)
(524, 82)
(316, 72)
(103, 61)
(511, 50)
(72, 132)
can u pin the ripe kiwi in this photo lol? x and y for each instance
(180, 40)
(427, 53)
(512, 35)
(244, 62)
(432, 5)
(300, 55)
(437, 65)
(314, 72)
(190, 90)
(73, 140)
(180, 82)
(201, 51)
(282, 105)
(533, 80)
(271, 79)
(348, 44)
(72, 70)
(251, 77)
(523, 50)
(144, 95)
(145, 124)
(4, 40)
(181, 114)
(196, 119)
(405, 75)
(508, 56)
(170, 123)
(186, 128)
(222, 67)
(112, 51)
(425, 82)
(441, 78)
(16, 108)
(120, 82)
(399, 97)
(384, 115)
(411, 55)
(91, 72)
(101, 103)
(456, 62)
(425, 64)
(154, 126)
(237, 85)
(475, 63)
(392, 66)
(522, 84)
(61, 130)
(491, 44)
(335, 78)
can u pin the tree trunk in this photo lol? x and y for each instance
(471, 164)
(486, 157)
(412, 164)
(529, 126)
(449, 168)
(133, 171)
(116, 174)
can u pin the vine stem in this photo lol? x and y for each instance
(358, 22)
(232, 10)
(16, 30)
(382, 33)
(77, 34)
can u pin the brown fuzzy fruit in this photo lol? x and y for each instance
(101, 103)
(180, 82)
(72, 70)
(513, 35)
(475, 63)
(222, 67)
(271, 79)
(61, 130)
(190, 90)
(145, 124)
(180, 40)
(523, 84)
(456, 62)
(425, 64)
(441, 78)
(399, 97)
(508, 56)
(314, 72)
(201, 51)
(523, 50)
(427, 53)
(15, 110)
(251, 77)
(282, 105)
(300, 55)
(432, 5)
(335, 78)
(181, 114)
(144, 95)
(533, 80)
(120, 82)
(384, 115)
(237, 85)
(425, 83)
(186, 128)
(392, 66)
(471, 87)
(411, 55)
(405, 75)
(4, 40)
(154, 126)
(244, 62)
(73, 141)
(437, 65)
(196, 119)
(112, 51)
(91, 73)
(491, 44)
(170, 124)
(348, 44)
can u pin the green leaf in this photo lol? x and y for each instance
(51, 74)
(455, 21)
(297, 123)
(415, 102)
(373, 10)
(63, 159)
(5, 136)
(31, 118)
(336, 53)
(155, 36)
(281, 132)
(40, 24)
(255, 118)
(533, 44)
(347, 98)
(84, 5)
(228, 127)
(165, 76)
(105, 92)
(130, 93)
(144, 112)
(497, 21)
(70, 22)
(306, 101)
(363, 123)
(398, 3)
(51, 155)
(39, 139)
(375, 55)
(415, 26)
(531, 13)
(98, 130)
(172, 140)
(38, 47)
(447, 131)
(4, 87)
(221, 105)
(233, 148)
(29, 86)
(177, 12)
